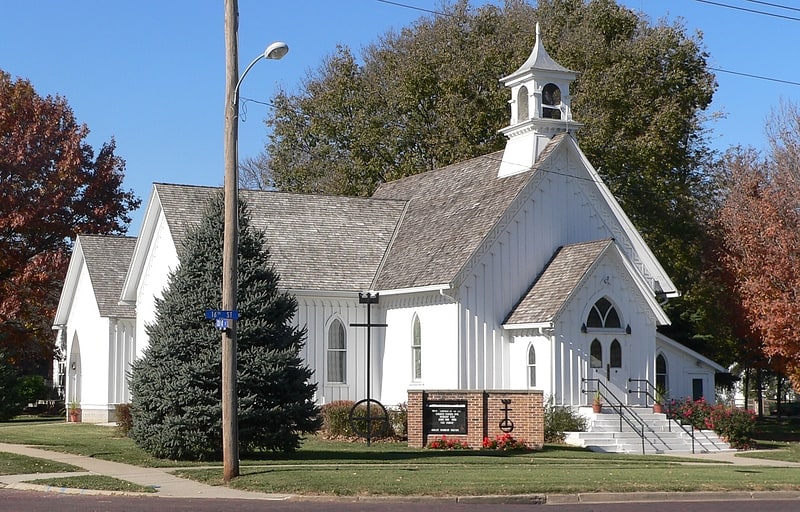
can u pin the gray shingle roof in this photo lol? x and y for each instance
(555, 284)
(316, 242)
(450, 212)
(107, 259)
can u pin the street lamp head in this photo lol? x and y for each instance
(276, 50)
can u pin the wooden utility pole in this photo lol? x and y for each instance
(230, 423)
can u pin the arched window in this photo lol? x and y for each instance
(603, 315)
(416, 350)
(596, 354)
(615, 355)
(337, 353)
(522, 104)
(661, 373)
(531, 367)
(551, 102)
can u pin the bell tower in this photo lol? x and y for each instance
(540, 108)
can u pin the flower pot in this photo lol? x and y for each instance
(658, 408)
(74, 416)
(597, 408)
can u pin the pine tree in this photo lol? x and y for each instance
(176, 385)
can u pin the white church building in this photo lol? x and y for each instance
(513, 270)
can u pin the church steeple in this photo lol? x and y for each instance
(540, 108)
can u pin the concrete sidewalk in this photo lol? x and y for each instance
(167, 484)
(171, 486)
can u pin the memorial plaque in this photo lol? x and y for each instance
(446, 417)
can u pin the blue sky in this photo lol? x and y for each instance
(151, 73)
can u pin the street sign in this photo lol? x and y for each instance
(216, 314)
(221, 323)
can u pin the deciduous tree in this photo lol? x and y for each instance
(760, 217)
(52, 188)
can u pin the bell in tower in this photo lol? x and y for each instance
(540, 108)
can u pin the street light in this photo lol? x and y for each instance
(230, 264)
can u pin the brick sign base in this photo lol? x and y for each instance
(488, 414)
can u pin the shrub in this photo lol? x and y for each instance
(505, 443)
(445, 443)
(398, 419)
(734, 425)
(558, 420)
(336, 418)
(124, 419)
(730, 423)
(690, 412)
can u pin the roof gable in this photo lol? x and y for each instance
(450, 213)
(316, 242)
(563, 276)
(550, 292)
(107, 259)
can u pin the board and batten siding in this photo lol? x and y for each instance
(161, 259)
(316, 314)
(503, 272)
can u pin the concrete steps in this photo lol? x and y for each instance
(605, 433)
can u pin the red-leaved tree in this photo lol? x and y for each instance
(52, 187)
(760, 218)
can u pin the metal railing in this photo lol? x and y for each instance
(621, 409)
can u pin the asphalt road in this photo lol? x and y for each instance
(31, 501)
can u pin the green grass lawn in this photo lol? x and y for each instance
(95, 482)
(13, 464)
(324, 467)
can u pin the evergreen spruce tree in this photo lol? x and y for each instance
(176, 385)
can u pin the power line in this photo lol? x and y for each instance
(752, 11)
(779, 6)
(759, 77)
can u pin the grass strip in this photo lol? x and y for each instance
(13, 464)
(94, 482)
(452, 480)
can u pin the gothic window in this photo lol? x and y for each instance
(416, 351)
(551, 102)
(337, 353)
(531, 367)
(603, 315)
(596, 354)
(522, 104)
(661, 373)
(615, 355)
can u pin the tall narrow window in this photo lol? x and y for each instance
(337, 353)
(615, 355)
(522, 104)
(603, 315)
(661, 373)
(596, 354)
(531, 367)
(416, 351)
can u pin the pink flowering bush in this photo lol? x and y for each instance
(445, 443)
(690, 412)
(505, 443)
(734, 425)
(730, 423)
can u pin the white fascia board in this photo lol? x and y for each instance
(641, 248)
(420, 289)
(538, 326)
(70, 283)
(335, 294)
(142, 247)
